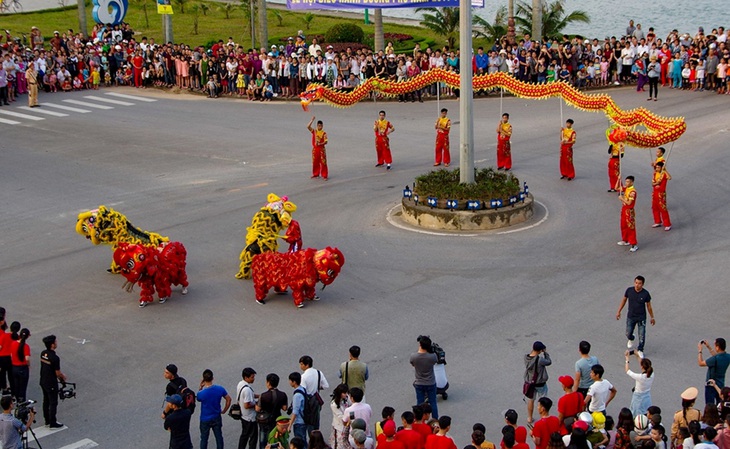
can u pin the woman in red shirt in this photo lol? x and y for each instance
(6, 376)
(20, 357)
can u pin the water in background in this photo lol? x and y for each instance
(663, 15)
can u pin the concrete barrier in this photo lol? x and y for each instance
(461, 220)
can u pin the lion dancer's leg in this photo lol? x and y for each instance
(244, 271)
(114, 268)
(180, 276)
(147, 290)
(162, 283)
(260, 284)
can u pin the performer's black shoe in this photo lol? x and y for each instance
(378, 165)
(570, 179)
(260, 302)
(563, 177)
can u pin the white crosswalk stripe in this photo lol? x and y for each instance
(108, 100)
(81, 444)
(19, 115)
(87, 104)
(9, 122)
(44, 111)
(131, 97)
(66, 108)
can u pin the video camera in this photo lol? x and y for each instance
(23, 410)
(67, 390)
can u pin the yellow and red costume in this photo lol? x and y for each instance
(659, 199)
(504, 146)
(319, 154)
(443, 128)
(382, 141)
(628, 217)
(293, 236)
(566, 153)
(616, 152)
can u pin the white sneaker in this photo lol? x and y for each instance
(630, 344)
(163, 300)
(656, 225)
(185, 291)
(640, 354)
(668, 228)
(634, 248)
(622, 243)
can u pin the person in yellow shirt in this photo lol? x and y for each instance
(567, 139)
(504, 146)
(659, 156)
(319, 154)
(443, 128)
(659, 197)
(383, 128)
(96, 78)
(628, 216)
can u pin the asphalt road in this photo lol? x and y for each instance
(197, 170)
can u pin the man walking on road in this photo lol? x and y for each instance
(639, 301)
(536, 373)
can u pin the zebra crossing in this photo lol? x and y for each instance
(65, 107)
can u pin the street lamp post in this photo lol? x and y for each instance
(466, 95)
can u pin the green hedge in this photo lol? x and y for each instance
(489, 184)
(344, 32)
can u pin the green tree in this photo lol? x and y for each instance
(308, 18)
(491, 31)
(181, 4)
(143, 4)
(195, 8)
(227, 9)
(554, 18)
(442, 21)
(204, 8)
(279, 16)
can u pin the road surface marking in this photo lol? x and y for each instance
(131, 97)
(82, 444)
(66, 108)
(44, 111)
(109, 100)
(19, 115)
(83, 103)
(9, 122)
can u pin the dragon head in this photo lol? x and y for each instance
(135, 260)
(313, 92)
(86, 225)
(328, 262)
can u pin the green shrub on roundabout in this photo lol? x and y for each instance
(489, 184)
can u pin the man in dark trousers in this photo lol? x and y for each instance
(639, 301)
(174, 386)
(177, 423)
(50, 375)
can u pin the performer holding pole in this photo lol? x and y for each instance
(383, 128)
(615, 152)
(628, 216)
(319, 154)
(659, 197)
(504, 146)
(567, 139)
(443, 127)
(659, 156)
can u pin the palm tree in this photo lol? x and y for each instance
(492, 31)
(442, 21)
(204, 8)
(554, 18)
(182, 4)
(279, 16)
(308, 18)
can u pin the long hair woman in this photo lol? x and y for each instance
(20, 357)
(641, 399)
(340, 432)
(688, 413)
(624, 426)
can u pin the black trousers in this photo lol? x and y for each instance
(6, 369)
(249, 434)
(50, 404)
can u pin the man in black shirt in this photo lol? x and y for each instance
(177, 423)
(639, 301)
(174, 386)
(272, 403)
(50, 375)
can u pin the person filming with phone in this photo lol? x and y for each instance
(11, 428)
(716, 367)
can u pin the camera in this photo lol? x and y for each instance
(703, 342)
(23, 411)
(631, 352)
(274, 446)
(67, 390)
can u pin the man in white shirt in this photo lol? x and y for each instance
(314, 48)
(310, 376)
(330, 55)
(247, 400)
(601, 393)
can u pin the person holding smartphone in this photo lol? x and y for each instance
(279, 435)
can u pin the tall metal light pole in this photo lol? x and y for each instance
(466, 96)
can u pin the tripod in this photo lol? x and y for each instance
(25, 439)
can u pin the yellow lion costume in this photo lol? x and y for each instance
(263, 234)
(108, 226)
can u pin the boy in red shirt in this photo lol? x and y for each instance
(546, 425)
(419, 425)
(389, 442)
(441, 440)
(409, 437)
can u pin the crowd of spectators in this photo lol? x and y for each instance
(117, 56)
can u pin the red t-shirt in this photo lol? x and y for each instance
(543, 428)
(14, 353)
(5, 344)
(385, 444)
(439, 442)
(424, 430)
(410, 439)
(570, 405)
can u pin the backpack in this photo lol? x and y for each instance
(188, 397)
(311, 408)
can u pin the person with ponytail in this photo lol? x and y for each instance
(688, 413)
(641, 399)
(20, 356)
(6, 367)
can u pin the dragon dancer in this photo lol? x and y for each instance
(628, 216)
(504, 146)
(659, 197)
(443, 128)
(615, 153)
(383, 128)
(319, 154)
(567, 139)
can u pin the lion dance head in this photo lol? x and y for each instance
(328, 262)
(135, 260)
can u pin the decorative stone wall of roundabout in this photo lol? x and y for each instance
(463, 220)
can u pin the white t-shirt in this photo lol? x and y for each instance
(309, 380)
(599, 394)
(245, 392)
(643, 383)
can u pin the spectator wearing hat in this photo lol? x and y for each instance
(279, 434)
(598, 437)
(546, 425)
(716, 365)
(359, 439)
(33, 79)
(683, 417)
(177, 423)
(601, 392)
(536, 363)
(570, 404)
(390, 442)
(356, 426)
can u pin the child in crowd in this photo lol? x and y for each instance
(96, 78)
(53, 82)
(677, 71)
(86, 78)
(268, 91)
(564, 74)
(592, 69)
(686, 72)
(107, 79)
(127, 80)
(551, 72)
(240, 83)
(659, 437)
(77, 83)
(213, 86)
(701, 75)
(604, 71)
(721, 76)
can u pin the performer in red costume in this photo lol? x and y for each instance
(659, 197)
(659, 156)
(383, 128)
(293, 236)
(504, 146)
(443, 128)
(567, 139)
(628, 217)
(319, 154)
(138, 64)
(616, 152)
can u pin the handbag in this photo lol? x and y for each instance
(528, 388)
(316, 393)
(264, 417)
(235, 411)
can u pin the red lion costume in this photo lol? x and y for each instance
(300, 271)
(153, 269)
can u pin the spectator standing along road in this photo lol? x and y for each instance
(271, 403)
(296, 423)
(313, 381)
(536, 372)
(247, 401)
(425, 384)
(209, 396)
(354, 373)
(177, 422)
(583, 381)
(50, 375)
(716, 368)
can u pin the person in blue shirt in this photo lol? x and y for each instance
(716, 368)
(296, 424)
(210, 396)
(482, 61)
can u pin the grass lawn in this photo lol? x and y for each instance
(214, 25)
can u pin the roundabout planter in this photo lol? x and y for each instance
(463, 220)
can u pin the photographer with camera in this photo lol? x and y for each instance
(425, 384)
(11, 428)
(716, 365)
(50, 376)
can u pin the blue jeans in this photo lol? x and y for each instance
(216, 425)
(300, 430)
(711, 396)
(427, 391)
(264, 431)
(631, 323)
